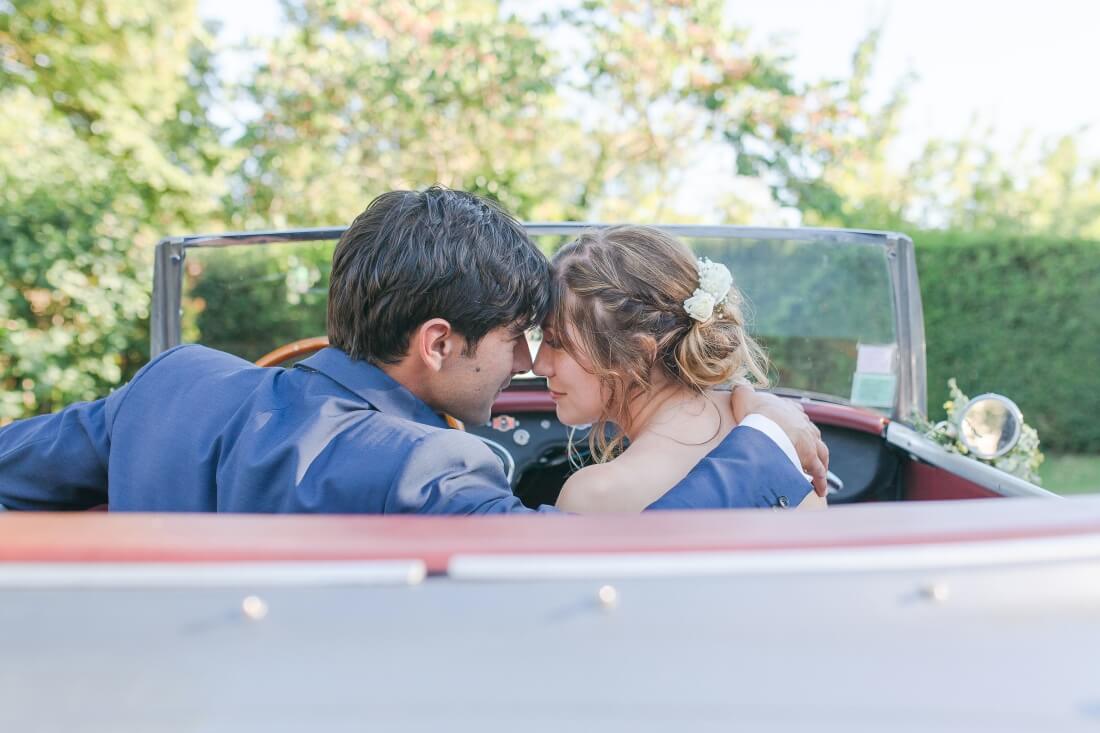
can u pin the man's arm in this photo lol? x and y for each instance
(792, 420)
(56, 461)
(59, 461)
(747, 469)
(451, 472)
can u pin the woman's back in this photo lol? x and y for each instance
(657, 459)
(678, 437)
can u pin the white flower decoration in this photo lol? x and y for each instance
(715, 283)
(700, 305)
(714, 278)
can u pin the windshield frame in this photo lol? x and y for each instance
(909, 400)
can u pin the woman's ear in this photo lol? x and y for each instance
(432, 342)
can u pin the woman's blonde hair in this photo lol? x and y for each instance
(622, 291)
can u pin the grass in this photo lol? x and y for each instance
(1071, 474)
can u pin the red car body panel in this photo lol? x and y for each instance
(93, 538)
(922, 482)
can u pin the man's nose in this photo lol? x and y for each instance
(521, 357)
(543, 365)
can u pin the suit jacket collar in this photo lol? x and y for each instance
(382, 391)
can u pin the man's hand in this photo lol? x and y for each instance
(791, 418)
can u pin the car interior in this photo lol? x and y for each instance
(539, 452)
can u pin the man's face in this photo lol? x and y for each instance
(471, 384)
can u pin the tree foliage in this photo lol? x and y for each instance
(589, 110)
(967, 184)
(356, 98)
(103, 146)
(653, 82)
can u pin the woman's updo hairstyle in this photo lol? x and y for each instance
(621, 292)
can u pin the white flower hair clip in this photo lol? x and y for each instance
(715, 282)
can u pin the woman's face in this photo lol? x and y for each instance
(576, 391)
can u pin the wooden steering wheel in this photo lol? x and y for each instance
(293, 350)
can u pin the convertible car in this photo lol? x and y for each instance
(839, 312)
(912, 604)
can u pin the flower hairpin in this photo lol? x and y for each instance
(715, 283)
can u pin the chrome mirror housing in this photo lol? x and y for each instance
(990, 425)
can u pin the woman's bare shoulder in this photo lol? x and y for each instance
(591, 490)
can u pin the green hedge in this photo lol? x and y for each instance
(1019, 316)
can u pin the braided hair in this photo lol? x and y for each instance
(621, 292)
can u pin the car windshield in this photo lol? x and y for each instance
(820, 302)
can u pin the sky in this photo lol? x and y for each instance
(1021, 67)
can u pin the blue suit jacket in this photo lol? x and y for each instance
(199, 430)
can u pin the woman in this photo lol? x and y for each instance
(640, 336)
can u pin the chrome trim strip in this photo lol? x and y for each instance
(918, 365)
(823, 234)
(969, 469)
(270, 236)
(774, 562)
(508, 462)
(319, 234)
(911, 397)
(211, 575)
(164, 324)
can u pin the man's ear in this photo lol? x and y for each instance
(432, 343)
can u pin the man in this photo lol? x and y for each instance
(430, 295)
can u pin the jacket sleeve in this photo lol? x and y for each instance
(451, 472)
(56, 461)
(747, 469)
(59, 461)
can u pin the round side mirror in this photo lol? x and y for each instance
(990, 425)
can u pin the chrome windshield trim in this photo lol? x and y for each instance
(912, 394)
(321, 234)
(269, 236)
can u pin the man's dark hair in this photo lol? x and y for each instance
(416, 255)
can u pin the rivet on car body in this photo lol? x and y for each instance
(608, 597)
(936, 592)
(254, 608)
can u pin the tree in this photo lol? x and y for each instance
(356, 98)
(653, 83)
(104, 146)
(968, 185)
(835, 167)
